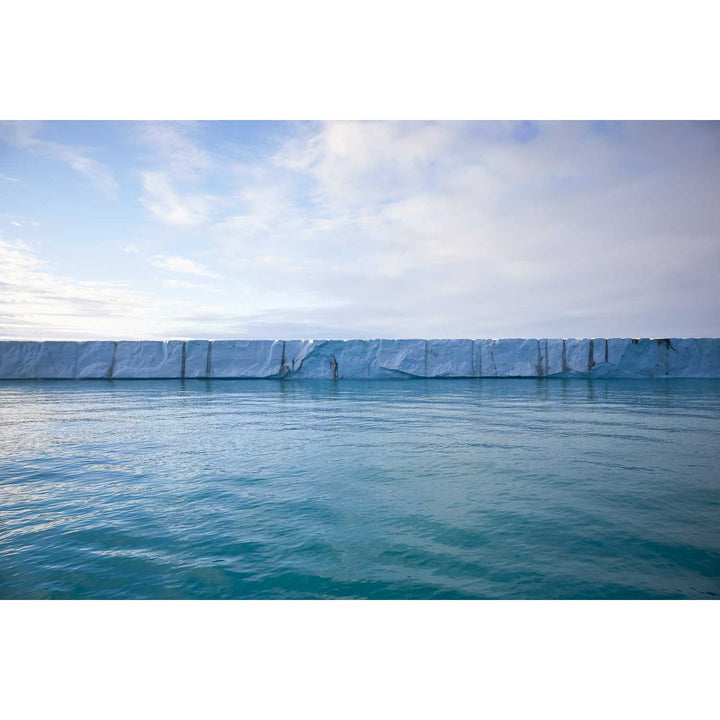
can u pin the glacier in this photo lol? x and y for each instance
(366, 359)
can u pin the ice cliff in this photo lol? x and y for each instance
(338, 359)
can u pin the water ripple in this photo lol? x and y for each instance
(384, 489)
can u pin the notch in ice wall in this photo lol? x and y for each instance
(338, 359)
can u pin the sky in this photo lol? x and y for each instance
(283, 230)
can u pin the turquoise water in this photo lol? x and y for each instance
(379, 489)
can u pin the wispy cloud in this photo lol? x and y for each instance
(177, 264)
(37, 303)
(171, 146)
(187, 285)
(26, 135)
(423, 229)
(169, 207)
(476, 228)
(177, 163)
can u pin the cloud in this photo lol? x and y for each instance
(7, 178)
(177, 162)
(462, 229)
(169, 207)
(37, 303)
(15, 223)
(25, 135)
(171, 145)
(177, 264)
(432, 229)
(131, 248)
(186, 285)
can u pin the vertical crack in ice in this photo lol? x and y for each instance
(182, 362)
(208, 362)
(564, 356)
(111, 369)
(284, 369)
(539, 360)
(606, 350)
(665, 342)
(334, 366)
(591, 355)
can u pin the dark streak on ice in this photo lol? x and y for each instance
(111, 369)
(208, 364)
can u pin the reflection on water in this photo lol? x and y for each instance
(381, 489)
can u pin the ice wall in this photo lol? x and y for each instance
(338, 359)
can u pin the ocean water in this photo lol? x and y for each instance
(381, 489)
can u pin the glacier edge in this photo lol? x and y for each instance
(362, 359)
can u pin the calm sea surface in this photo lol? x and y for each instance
(379, 489)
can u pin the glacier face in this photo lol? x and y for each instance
(338, 359)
